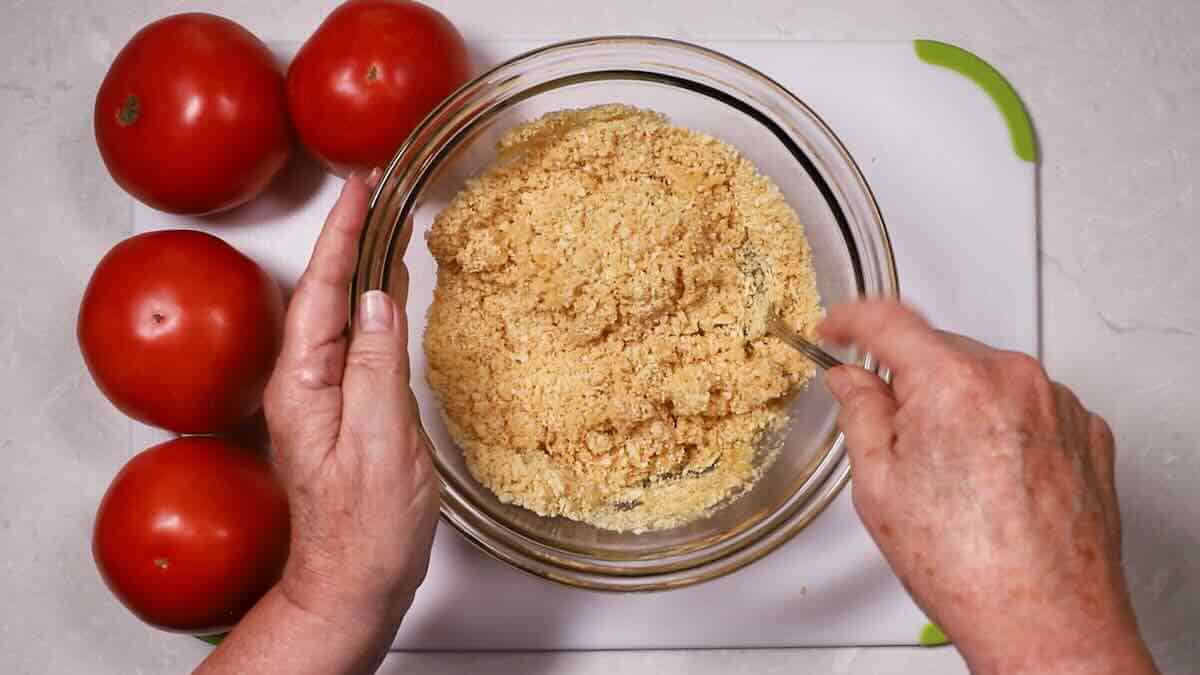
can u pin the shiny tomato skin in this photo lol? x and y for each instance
(180, 330)
(369, 74)
(192, 115)
(191, 533)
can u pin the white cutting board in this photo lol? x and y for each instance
(961, 208)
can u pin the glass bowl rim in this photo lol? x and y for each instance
(546, 560)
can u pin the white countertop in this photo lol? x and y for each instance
(1114, 92)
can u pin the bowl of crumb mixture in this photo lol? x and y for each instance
(591, 238)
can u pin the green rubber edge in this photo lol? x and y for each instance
(932, 636)
(212, 639)
(991, 81)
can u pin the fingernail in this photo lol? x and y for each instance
(838, 381)
(375, 312)
(374, 176)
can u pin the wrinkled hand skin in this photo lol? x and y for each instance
(989, 488)
(348, 441)
(349, 449)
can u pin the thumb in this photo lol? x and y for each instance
(375, 386)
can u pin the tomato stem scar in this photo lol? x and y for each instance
(129, 111)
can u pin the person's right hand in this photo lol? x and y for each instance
(989, 488)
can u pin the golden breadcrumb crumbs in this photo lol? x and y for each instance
(596, 339)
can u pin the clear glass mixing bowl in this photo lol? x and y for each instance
(702, 90)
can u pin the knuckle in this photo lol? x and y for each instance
(375, 358)
(318, 370)
(1063, 395)
(307, 370)
(899, 313)
(964, 373)
(305, 285)
(902, 320)
(1029, 376)
(1023, 367)
(855, 401)
(1102, 433)
(863, 408)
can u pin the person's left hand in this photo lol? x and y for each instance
(348, 441)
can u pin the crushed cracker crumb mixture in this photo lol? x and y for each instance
(593, 338)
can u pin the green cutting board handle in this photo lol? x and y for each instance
(991, 81)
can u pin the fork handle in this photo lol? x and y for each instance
(817, 355)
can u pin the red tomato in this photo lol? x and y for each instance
(192, 115)
(372, 71)
(180, 330)
(192, 533)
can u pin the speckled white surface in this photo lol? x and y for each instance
(1114, 91)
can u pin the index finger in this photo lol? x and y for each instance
(897, 335)
(320, 307)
